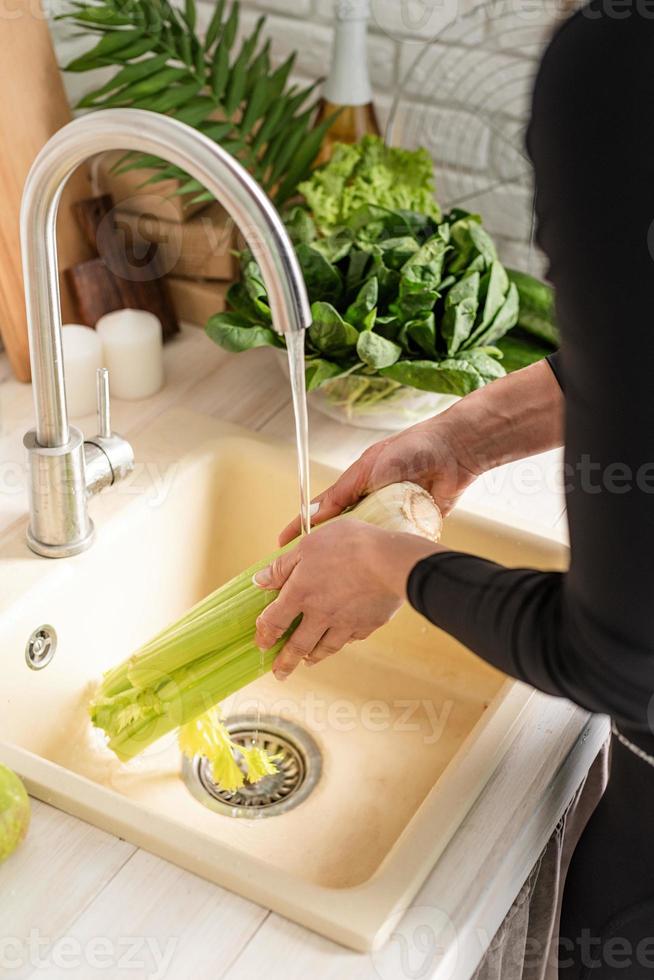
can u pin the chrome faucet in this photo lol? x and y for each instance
(64, 471)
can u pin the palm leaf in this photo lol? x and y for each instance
(163, 66)
(215, 26)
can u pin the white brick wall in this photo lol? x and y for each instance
(467, 101)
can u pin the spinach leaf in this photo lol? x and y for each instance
(483, 361)
(505, 318)
(421, 226)
(356, 270)
(396, 252)
(361, 313)
(236, 333)
(388, 279)
(447, 377)
(388, 326)
(329, 332)
(238, 300)
(471, 244)
(373, 223)
(300, 226)
(318, 370)
(461, 305)
(424, 269)
(493, 288)
(414, 305)
(321, 277)
(376, 351)
(463, 247)
(423, 332)
(255, 288)
(336, 247)
(420, 278)
(483, 243)
(368, 222)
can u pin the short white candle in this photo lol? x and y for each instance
(133, 351)
(82, 358)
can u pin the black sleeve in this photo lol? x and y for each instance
(589, 634)
(554, 361)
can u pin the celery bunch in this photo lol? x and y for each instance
(208, 654)
(188, 668)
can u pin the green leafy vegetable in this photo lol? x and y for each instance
(461, 305)
(398, 298)
(453, 377)
(236, 333)
(505, 318)
(322, 278)
(361, 313)
(376, 351)
(369, 172)
(422, 332)
(318, 371)
(493, 288)
(329, 332)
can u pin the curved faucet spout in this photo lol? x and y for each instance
(220, 173)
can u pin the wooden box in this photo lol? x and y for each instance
(195, 302)
(201, 247)
(128, 191)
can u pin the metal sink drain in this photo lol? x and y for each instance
(298, 760)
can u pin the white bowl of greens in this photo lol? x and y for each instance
(371, 402)
(408, 305)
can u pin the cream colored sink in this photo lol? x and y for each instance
(409, 724)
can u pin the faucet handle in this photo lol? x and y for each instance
(108, 457)
(104, 405)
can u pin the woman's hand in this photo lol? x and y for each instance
(429, 454)
(346, 580)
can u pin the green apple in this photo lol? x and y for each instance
(14, 812)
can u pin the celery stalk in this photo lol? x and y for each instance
(208, 654)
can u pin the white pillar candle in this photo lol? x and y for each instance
(132, 341)
(82, 358)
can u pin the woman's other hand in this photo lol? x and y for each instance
(509, 419)
(428, 454)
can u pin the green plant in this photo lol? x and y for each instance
(369, 172)
(227, 91)
(397, 299)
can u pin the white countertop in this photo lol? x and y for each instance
(77, 902)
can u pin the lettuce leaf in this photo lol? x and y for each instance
(369, 172)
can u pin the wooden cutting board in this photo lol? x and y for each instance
(32, 108)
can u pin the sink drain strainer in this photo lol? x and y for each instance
(297, 757)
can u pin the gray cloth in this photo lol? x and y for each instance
(524, 947)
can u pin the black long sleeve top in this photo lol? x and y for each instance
(587, 635)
